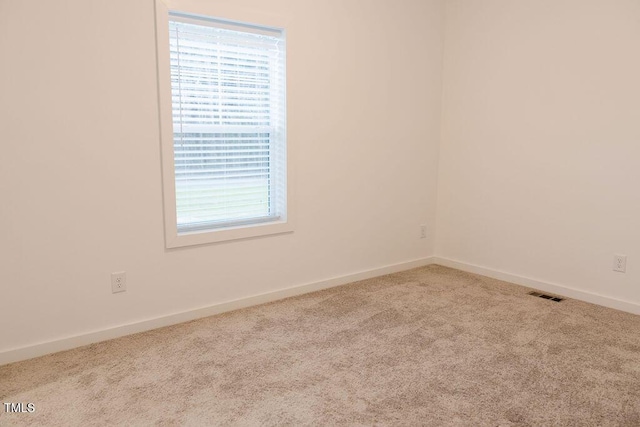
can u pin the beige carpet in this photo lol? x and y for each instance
(430, 346)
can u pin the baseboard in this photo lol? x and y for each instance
(543, 286)
(41, 349)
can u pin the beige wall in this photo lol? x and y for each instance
(540, 158)
(80, 176)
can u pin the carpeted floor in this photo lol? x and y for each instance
(430, 346)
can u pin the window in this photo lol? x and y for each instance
(225, 160)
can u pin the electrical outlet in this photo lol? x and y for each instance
(620, 263)
(423, 231)
(118, 282)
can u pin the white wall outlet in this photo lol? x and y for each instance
(620, 263)
(423, 231)
(118, 282)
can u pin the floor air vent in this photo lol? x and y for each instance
(549, 297)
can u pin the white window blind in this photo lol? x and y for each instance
(228, 104)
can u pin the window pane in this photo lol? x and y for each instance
(228, 120)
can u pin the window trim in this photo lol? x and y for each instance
(174, 239)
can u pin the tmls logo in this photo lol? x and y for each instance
(19, 407)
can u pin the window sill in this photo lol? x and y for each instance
(177, 240)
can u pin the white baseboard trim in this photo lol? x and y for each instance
(41, 349)
(543, 286)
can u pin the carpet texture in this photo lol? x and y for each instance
(430, 346)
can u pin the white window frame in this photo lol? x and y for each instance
(173, 238)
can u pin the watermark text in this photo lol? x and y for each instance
(19, 407)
